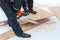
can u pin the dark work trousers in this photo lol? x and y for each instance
(27, 3)
(24, 4)
(30, 4)
(12, 19)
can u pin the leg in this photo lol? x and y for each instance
(30, 6)
(24, 4)
(13, 21)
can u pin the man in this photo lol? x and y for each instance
(10, 8)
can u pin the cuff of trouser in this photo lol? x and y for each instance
(15, 8)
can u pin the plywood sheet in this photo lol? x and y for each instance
(56, 11)
(41, 14)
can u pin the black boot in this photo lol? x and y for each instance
(24, 35)
(26, 11)
(32, 11)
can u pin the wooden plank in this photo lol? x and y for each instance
(41, 14)
(56, 11)
(7, 35)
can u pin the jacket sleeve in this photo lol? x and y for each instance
(17, 5)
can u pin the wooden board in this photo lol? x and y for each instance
(56, 11)
(41, 14)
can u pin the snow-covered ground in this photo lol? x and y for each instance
(48, 2)
(2, 15)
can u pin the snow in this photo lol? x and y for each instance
(48, 2)
(2, 15)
